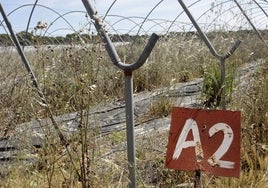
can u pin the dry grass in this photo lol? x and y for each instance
(74, 79)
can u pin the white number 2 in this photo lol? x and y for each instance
(215, 159)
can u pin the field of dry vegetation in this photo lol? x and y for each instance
(74, 78)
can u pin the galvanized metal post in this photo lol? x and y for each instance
(221, 58)
(128, 69)
(130, 127)
(197, 182)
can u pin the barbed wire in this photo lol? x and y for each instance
(214, 15)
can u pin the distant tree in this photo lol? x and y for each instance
(5, 40)
(25, 38)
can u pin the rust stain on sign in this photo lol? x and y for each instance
(205, 140)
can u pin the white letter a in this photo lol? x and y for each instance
(189, 125)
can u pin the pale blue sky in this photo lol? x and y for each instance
(135, 10)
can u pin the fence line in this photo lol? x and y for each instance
(127, 68)
(207, 12)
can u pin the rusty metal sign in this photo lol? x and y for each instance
(205, 140)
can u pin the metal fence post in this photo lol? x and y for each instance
(128, 69)
(130, 127)
(221, 58)
(33, 77)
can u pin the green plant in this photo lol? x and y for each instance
(212, 86)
